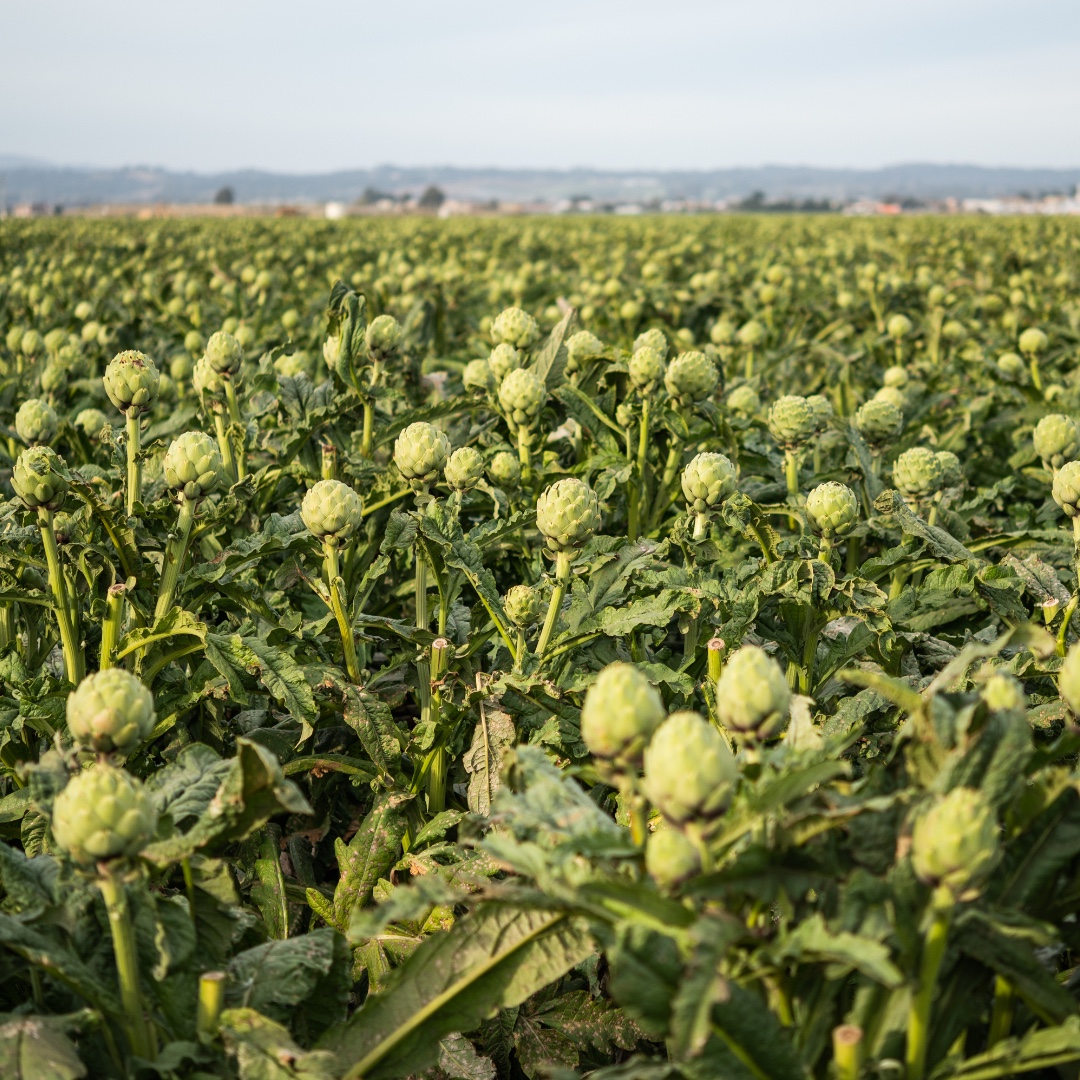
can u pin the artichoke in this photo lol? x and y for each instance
(36, 480)
(917, 473)
(691, 377)
(879, 422)
(103, 813)
(822, 409)
(522, 396)
(792, 421)
(1032, 341)
(331, 509)
(193, 464)
(893, 395)
(896, 376)
(722, 332)
(464, 468)
(621, 711)
(744, 400)
(420, 452)
(1056, 439)
(832, 510)
(384, 337)
(670, 858)
(205, 380)
(898, 326)
(504, 359)
(224, 355)
(1003, 693)
(567, 513)
(581, 348)
(955, 842)
(31, 343)
(652, 339)
(752, 695)
(1011, 368)
(131, 381)
(110, 711)
(1069, 679)
(504, 470)
(690, 771)
(478, 376)
(751, 334)
(646, 369)
(514, 327)
(35, 422)
(707, 480)
(952, 473)
(1066, 488)
(524, 606)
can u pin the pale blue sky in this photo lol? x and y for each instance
(323, 85)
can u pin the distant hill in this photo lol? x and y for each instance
(23, 180)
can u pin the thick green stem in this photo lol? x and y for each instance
(74, 664)
(562, 578)
(1036, 375)
(224, 445)
(111, 624)
(237, 420)
(847, 1040)
(175, 550)
(423, 666)
(918, 1032)
(791, 475)
(337, 605)
(639, 487)
(329, 461)
(748, 365)
(810, 644)
(524, 440)
(127, 961)
(1076, 542)
(211, 1002)
(1001, 1019)
(437, 771)
(8, 628)
(134, 468)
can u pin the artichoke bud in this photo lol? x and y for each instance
(896, 376)
(331, 510)
(205, 380)
(192, 465)
(621, 711)
(36, 479)
(1069, 679)
(110, 711)
(131, 381)
(792, 421)
(224, 355)
(879, 422)
(917, 473)
(1011, 368)
(35, 422)
(478, 376)
(690, 771)
(832, 510)
(464, 468)
(822, 409)
(504, 469)
(346, 340)
(708, 479)
(1032, 341)
(646, 369)
(420, 453)
(751, 334)
(524, 606)
(670, 858)
(752, 695)
(952, 473)
(513, 326)
(955, 842)
(103, 813)
(567, 514)
(652, 339)
(504, 358)
(1003, 693)
(522, 396)
(581, 348)
(1066, 488)
(1056, 439)
(691, 377)
(898, 326)
(384, 338)
(744, 400)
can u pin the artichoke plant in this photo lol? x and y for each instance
(515, 327)
(36, 422)
(621, 711)
(110, 711)
(691, 377)
(752, 695)
(131, 382)
(706, 481)
(1057, 440)
(420, 453)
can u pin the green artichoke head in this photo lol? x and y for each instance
(1011, 368)
(898, 327)
(722, 332)
(690, 771)
(744, 400)
(504, 470)
(1066, 488)
(792, 421)
(478, 376)
(35, 422)
(646, 369)
(420, 453)
(1069, 679)
(36, 480)
(385, 336)
(515, 327)
(1003, 692)
(917, 473)
(110, 711)
(832, 510)
(522, 395)
(621, 711)
(955, 842)
(331, 510)
(652, 338)
(224, 354)
(103, 813)
(897, 376)
(879, 422)
(581, 348)
(670, 858)
(822, 409)
(524, 606)
(464, 468)
(1032, 341)
(504, 358)
(708, 479)
(91, 421)
(131, 381)
(31, 344)
(751, 334)
(691, 377)
(752, 695)
(192, 465)
(1057, 439)
(567, 513)
(952, 473)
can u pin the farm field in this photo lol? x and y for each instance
(643, 649)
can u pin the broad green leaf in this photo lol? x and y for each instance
(264, 1050)
(38, 1047)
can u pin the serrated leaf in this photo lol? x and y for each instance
(38, 1047)
(264, 1050)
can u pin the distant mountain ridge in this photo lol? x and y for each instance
(24, 180)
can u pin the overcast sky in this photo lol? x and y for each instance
(314, 85)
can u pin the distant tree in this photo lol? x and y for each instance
(432, 199)
(225, 197)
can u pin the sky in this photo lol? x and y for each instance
(315, 86)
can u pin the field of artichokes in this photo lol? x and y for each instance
(537, 648)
